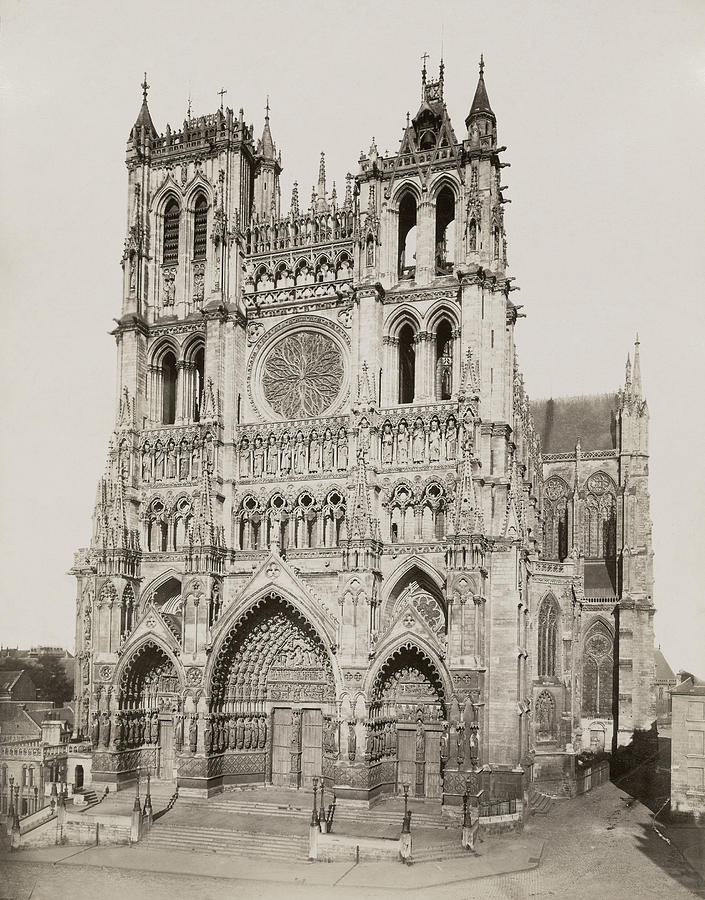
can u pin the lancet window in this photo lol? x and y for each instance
(407, 236)
(444, 360)
(556, 529)
(598, 664)
(445, 232)
(548, 638)
(407, 364)
(170, 249)
(200, 227)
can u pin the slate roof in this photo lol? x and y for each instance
(663, 671)
(563, 421)
(481, 102)
(599, 581)
(690, 685)
(8, 679)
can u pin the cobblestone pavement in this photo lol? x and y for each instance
(601, 844)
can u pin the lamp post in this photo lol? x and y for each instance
(322, 812)
(314, 811)
(11, 810)
(406, 797)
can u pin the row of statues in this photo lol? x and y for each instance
(127, 728)
(294, 454)
(415, 443)
(176, 461)
(221, 732)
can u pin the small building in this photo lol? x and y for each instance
(688, 749)
(664, 682)
(17, 685)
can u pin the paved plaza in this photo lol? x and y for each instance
(601, 844)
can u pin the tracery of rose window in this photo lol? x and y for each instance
(302, 375)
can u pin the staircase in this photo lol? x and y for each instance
(90, 797)
(540, 804)
(379, 816)
(163, 836)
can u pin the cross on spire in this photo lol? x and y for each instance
(222, 92)
(425, 58)
(266, 113)
(482, 65)
(145, 87)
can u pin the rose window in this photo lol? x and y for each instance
(302, 375)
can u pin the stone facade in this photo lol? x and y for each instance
(318, 546)
(688, 749)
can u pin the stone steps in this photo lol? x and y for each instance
(233, 843)
(342, 814)
(540, 804)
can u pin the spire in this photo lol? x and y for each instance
(361, 520)
(266, 147)
(481, 103)
(347, 203)
(144, 119)
(468, 516)
(636, 377)
(628, 376)
(202, 530)
(295, 199)
(322, 175)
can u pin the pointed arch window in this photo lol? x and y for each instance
(444, 360)
(548, 638)
(168, 389)
(598, 664)
(199, 363)
(445, 232)
(407, 236)
(170, 252)
(407, 364)
(200, 227)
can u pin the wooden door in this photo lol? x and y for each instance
(406, 754)
(281, 747)
(311, 746)
(432, 779)
(166, 750)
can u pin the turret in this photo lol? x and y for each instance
(267, 193)
(481, 121)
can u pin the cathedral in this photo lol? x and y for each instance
(334, 538)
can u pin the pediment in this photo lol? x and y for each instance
(151, 624)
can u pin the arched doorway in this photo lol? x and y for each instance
(273, 667)
(408, 690)
(148, 695)
(78, 778)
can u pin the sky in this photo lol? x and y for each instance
(600, 104)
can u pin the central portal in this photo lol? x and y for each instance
(297, 747)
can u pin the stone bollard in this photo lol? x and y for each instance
(313, 832)
(15, 836)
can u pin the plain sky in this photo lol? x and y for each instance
(600, 103)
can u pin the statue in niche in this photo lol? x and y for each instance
(314, 457)
(370, 741)
(387, 443)
(363, 436)
(286, 454)
(418, 444)
(193, 734)
(159, 461)
(352, 742)
(327, 451)
(244, 458)
(272, 456)
(146, 463)
(184, 460)
(178, 721)
(461, 745)
(451, 439)
(258, 458)
(342, 449)
(87, 626)
(445, 743)
(240, 732)
(171, 460)
(474, 745)
(300, 454)
(434, 441)
(232, 733)
(195, 459)
(472, 235)
(263, 732)
(208, 735)
(169, 292)
(95, 730)
(403, 444)
(248, 733)
(420, 740)
(370, 259)
(132, 278)
(255, 732)
(208, 451)
(105, 730)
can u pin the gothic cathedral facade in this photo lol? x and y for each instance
(334, 538)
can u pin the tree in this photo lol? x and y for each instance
(48, 675)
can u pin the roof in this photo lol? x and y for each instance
(599, 582)
(15, 719)
(562, 422)
(691, 685)
(481, 102)
(9, 679)
(144, 118)
(663, 671)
